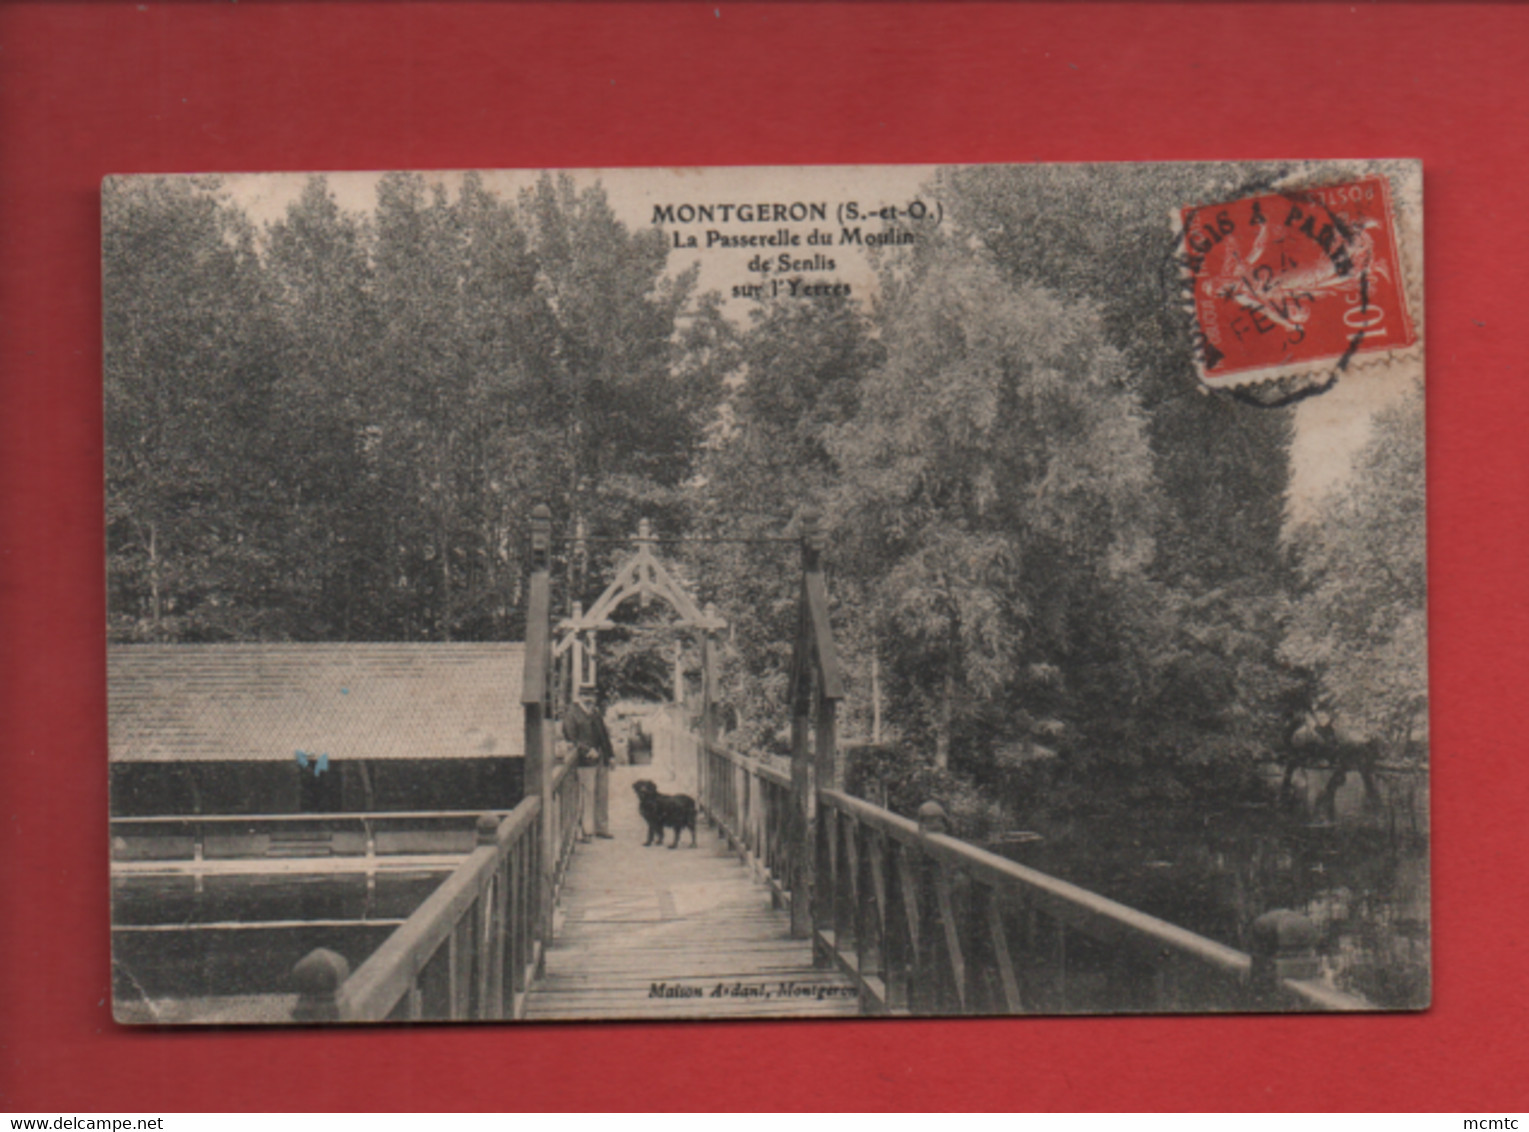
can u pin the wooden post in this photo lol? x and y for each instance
(709, 706)
(644, 544)
(1284, 946)
(825, 772)
(876, 697)
(815, 689)
(826, 735)
(534, 704)
(945, 964)
(824, 704)
(318, 977)
(802, 830)
(577, 665)
(493, 921)
(800, 824)
(578, 562)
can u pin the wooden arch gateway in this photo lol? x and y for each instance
(815, 685)
(643, 576)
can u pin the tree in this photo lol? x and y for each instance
(997, 490)
(635, 365)
(798, 372)
(1206, 687)
(424, 386)
(506, 327)
(336, 431)
(327, 533)
(533, 350)
(1102, 233)
(1360, 619)
(190, 371)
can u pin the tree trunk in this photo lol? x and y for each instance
(946, 723)
(445, 581)
(156, 604)
(947, 715)
(875, 698)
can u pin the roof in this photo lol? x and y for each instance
(257, 702)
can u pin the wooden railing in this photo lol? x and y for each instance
(236, 836)
(929, 924)
(749, 800)
(472, 949)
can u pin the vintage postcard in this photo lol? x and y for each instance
(721, 593)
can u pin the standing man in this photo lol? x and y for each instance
(584, 727)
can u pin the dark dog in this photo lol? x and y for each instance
(664, 811)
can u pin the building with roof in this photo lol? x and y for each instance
(317, 728)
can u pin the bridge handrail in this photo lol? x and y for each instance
(390, 972)
(749, 800)
(348, 834)
(926, 903)
(767, 767)
(1082, 910)
(964, 895)
(327, 819)
(471, 948)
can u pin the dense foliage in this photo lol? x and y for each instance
(1360, 617)
(335, 429)
(1059, 567)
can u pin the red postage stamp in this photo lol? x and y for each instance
(1302, 281)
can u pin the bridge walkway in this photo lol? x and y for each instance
(685, 933)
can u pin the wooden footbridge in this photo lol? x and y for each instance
(653, 933)
(800, 900)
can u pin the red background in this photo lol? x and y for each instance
(93, 88)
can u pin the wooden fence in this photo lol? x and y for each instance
(472, 949)
(929, 924)
(749, 800)
(241, 837)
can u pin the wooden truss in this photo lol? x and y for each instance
(641, 576)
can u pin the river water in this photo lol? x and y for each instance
(242, 934)
(1362, 879)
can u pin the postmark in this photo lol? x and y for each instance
(1297, 285)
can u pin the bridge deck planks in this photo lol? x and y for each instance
(686, 919)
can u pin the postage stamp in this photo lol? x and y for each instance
(1295, 283)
